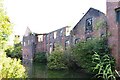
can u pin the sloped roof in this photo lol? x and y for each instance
(86, 14)
(27, 32)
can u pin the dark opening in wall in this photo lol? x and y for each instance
(77, 40)
(88, 27)
(117, 15)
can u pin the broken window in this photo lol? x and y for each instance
(55, 35)
(88, 27)
(40, 38)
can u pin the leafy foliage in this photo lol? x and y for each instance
(14, 51)
(5, 27)
(104, 66)
(40, 57)
(70, 60)
(11, 68)
(84, 50)
(56, 60)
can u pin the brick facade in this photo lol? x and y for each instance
(94, 19)
(93, 24)
(114, 30)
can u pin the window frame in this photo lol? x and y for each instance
(89, 25)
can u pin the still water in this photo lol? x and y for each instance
(38, 70)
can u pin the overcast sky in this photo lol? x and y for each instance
(43, 16)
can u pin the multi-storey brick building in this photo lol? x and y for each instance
(33, 43)
(93, 24)
(59, 36)
(84, 29)
(113, 20)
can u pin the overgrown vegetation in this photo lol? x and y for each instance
(40, 57)
(9, 68)
(104, 66)
(93, 56)
(14, 51)
(56, 60)
(84, 50)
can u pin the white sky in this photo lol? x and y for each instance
(44, 16)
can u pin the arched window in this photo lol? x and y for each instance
(77, 40)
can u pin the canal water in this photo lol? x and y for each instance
(38, 70)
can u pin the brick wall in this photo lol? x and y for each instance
(79, 31)
(113, 29)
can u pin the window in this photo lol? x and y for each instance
(24, 44)
(61, 32)
(51, 35)
(118, 16)
(40, 38)
(55, 35)
(66, 44)
(77, 40)
(67, 31)
(51, 49)
(88, 27)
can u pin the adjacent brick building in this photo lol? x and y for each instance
(113, 20)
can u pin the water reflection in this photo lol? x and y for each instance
(37, 70)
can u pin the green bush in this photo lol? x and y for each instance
(14, 51)
(56, 60)
(70, 60)
(84, 50)
(40, 57)
(11, 68)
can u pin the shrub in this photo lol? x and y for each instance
(70, 60)
(84, 50)
(40, 57)
(56, 60)
(14, 51)
(11, 68)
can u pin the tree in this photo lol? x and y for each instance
(15, 51)
(9, 68)
(5, 27)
